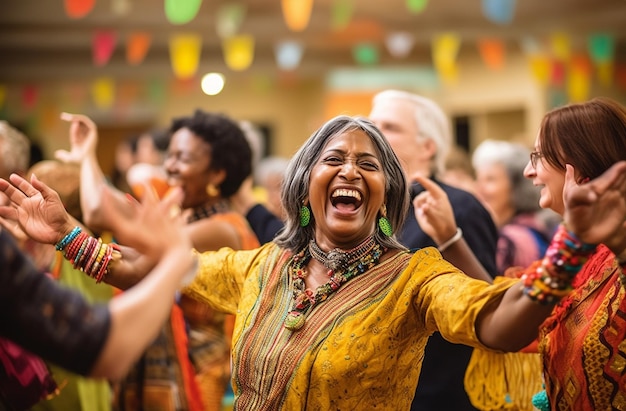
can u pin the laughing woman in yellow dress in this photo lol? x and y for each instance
(335, 313)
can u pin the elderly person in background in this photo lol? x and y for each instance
(419, 133)
(269, 175)
(524, 228)
(335, 313)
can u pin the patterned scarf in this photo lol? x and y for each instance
(584, 342)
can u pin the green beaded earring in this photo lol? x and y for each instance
(383, 222)
(305, 216)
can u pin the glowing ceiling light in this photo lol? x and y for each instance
(212, 83)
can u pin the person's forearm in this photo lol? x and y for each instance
(138, 313)
(514, 324)
(117, 265)
(92, 180)
(129, 270)
(461, 256)
(28, 293)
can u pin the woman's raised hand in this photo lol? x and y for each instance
(83, 139)
(151, 226)
(433, 211)
(36, 208)
(596, 211)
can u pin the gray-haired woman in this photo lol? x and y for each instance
(335, 313)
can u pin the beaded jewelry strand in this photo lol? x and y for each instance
(338, 259)
(564, 258)
(88, 254)
(362, 258)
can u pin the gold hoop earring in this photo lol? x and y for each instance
(212, 190)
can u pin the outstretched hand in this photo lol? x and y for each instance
(83, 139)
(36, 208)
(596, 211)
(151, 226)
(433, 211)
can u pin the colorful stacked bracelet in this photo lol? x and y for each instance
(88, 254)
(552, 280)
(68, 238)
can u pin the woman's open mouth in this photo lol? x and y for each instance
(346, 200)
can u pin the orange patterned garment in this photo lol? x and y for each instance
(583, 343)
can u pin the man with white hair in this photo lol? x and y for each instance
(419, 133)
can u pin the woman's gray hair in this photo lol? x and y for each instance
(295, 189)
(514, 157)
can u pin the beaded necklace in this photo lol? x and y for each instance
(350, 264)
(338, 259)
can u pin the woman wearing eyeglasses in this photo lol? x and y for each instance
(583, 342)
(524, 229)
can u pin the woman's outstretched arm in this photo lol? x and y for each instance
(595, 212)
(100, 341)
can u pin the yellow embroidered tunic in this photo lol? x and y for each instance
(361, 348)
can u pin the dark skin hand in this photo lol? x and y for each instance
(38, 211)
(37, 208)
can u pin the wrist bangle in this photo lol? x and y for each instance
(456, 237)
(551, 280)
(60, 246)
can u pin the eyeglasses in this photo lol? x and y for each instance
(534, 157)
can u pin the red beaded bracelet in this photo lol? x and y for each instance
(552, 280)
